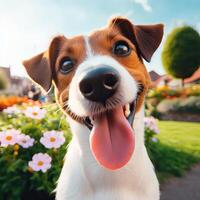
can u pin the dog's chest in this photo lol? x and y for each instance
(114, 195)
(123, 184)
(100, 178)
(112, 185)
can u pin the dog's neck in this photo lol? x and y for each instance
(81, 134)
(83, 178)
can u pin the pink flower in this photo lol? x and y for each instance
(35, 112)
(8, 137)
(52, 139)
(25, 141)
(12, 110)
(40, 162)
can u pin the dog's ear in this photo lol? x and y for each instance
(39, 67)
(147, 38)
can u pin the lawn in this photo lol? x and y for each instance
(178, 149)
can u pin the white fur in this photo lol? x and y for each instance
(89, 52)
(82, 178)
(127, 88)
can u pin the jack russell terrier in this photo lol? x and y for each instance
(100, 82)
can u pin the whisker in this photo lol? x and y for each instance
(140, 88)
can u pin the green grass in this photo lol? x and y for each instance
(178, 149)
(183, 136)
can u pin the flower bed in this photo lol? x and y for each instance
(8, 101)
(164, 92)
(33, 142)
(167, 104)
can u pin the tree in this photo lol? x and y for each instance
(181, 52)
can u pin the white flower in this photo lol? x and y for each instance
(9, 137)
(151, 124)
(35, 112)
(12, 110)
(25, 141)
(52, 139)
(40, 162)
(153, 139)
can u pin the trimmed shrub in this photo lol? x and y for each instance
(181, 52)
(168, 105)
(187, 105)
(190, 105)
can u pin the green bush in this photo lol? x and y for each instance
(191, 105)
(178, 148)
(187, 105)
(181, 52)
(168, 105)
(169, 161)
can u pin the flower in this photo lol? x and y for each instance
(12, 110)
(151, 124)
(35, 112)
(9, 137)
(25, 141)
(52, 139)
(153, 139)
(40, 162)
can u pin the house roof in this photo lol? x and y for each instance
(154, 75)
(156, 78)
(165, 77)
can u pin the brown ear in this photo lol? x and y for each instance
(39, 70)
(39, 67)
(146, 38)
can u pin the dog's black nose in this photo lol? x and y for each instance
(99, 84)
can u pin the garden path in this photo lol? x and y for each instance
(184, 188)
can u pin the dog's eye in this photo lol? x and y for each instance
(66, 66)
(121, 48)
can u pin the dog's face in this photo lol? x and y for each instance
(101, 81)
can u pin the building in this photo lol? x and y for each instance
(16, 85)
(160, 80)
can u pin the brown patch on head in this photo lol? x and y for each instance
(142, 40)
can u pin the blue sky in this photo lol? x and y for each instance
(27, 26)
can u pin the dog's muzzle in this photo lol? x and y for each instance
(112, 138)
(99, 84)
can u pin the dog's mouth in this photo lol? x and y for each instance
(128, 110)
(112, 139)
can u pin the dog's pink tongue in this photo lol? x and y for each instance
(112, 140)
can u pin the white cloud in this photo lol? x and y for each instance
(144, 4)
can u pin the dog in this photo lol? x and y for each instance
(100, 84)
